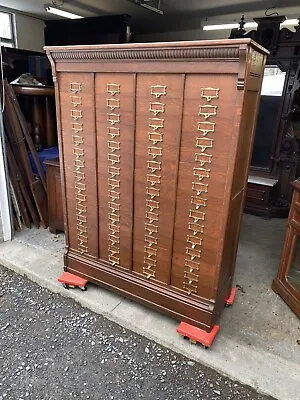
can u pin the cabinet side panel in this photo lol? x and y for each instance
(244, 148)
(158, 128)
(207, 141)
(115, 119)
(78, 139)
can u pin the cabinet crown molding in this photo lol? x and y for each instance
(209, 49)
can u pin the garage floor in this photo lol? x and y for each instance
(257, 343)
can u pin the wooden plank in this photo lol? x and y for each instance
(14, 177)
(26, 133)
(19, 175)
(17, 138)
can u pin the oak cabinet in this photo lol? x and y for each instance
(155, 143)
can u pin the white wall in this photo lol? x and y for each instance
(30, 32)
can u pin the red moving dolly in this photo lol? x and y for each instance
(231, 298)
(71, 281)
(197, 335)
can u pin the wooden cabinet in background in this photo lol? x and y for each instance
(155, 147)
(55, 207)
(276, 152)
(287, 282)
(258, 194)
(38, 106)
(92, 30)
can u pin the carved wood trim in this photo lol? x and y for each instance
(205, 49)
(146, 54)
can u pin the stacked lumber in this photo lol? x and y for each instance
(28, 191)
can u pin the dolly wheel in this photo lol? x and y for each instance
(83, 288)
(65, 285)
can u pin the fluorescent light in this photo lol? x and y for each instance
(250, 25)
(228, 26)
(288, 22)
(151, 8)
(61, 13)
(219, 27)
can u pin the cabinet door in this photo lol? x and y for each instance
(208, 139)
(115, 105)
(77, 113)
(159, 99)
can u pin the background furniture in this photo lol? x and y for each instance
(55, 207)
(17, 62)
(37, 102)
(287, 282)
(276, 153)
(94, 30)
(155, 149)
(38, 106)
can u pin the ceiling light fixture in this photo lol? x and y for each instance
(57, 11)
(155, 8)
(288, 22)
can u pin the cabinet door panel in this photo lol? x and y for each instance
(203, 189)
(159, 100)
(115, 104)
(79, 157)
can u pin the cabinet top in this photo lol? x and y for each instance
(205, 49)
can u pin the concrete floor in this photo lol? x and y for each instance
(78, 354)
(257, 344)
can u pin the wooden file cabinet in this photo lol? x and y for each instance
(156, 140)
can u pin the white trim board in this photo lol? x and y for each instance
(5, 217)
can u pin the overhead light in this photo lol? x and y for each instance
(155, 8)
(61, 13)
(288, 22)
(219, 27)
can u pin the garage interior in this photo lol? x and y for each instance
(260, 326)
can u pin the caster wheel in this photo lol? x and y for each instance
(83, 288)
(206, 347)
(227, 305)
(185, 337)
(65, 285)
